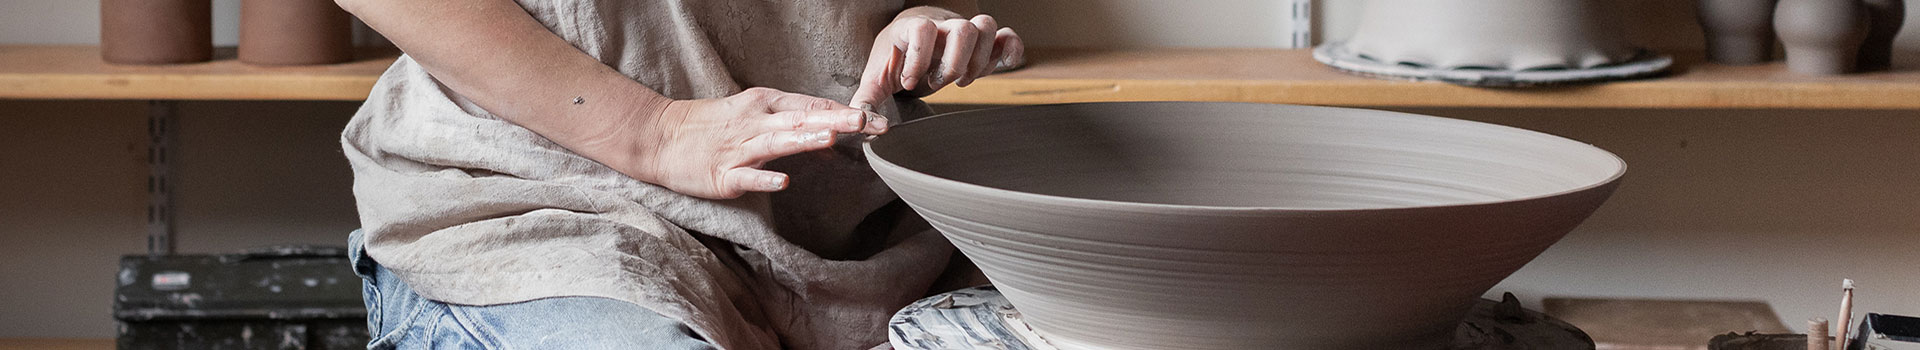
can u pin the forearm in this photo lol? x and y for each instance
(496, 55)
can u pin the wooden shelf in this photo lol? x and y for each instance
(1055, 76)
(76, 72)
(56, 344)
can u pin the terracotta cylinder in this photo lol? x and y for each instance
(1885, 18)
(156, 31)
(294, 32)
(1822, 36)
(1739, 32)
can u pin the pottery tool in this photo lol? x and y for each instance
(1846, 312)
(1817, 334)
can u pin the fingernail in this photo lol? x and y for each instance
(774, 182)
(877, 122)
(862, 106)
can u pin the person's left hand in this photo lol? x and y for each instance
(926, 48)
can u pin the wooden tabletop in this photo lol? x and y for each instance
(1053, 76)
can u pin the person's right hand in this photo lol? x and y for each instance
(713, 148)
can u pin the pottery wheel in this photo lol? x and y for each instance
(1646, 63)
(980, 318)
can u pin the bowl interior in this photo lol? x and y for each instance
(1244, 156)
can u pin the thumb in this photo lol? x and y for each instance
(877, 82)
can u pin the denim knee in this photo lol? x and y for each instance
(399, 318)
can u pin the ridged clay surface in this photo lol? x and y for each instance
(1179, 225)
(1491, 34)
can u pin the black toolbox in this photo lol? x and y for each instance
(296, 297)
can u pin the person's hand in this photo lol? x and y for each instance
(927, 48)
(713, 148)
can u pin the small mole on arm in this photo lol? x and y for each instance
(579, 100)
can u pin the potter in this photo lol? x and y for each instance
(669, 174)
(1181, 225)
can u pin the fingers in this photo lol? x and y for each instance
(783, 101)
(917, 40)
(739, 180)
(877, 82)
(840, 121)
(1009, 51)
(796, 112)
(961, 38)
(981, 63)
(876, 123)
(769, 146)
(884, 75)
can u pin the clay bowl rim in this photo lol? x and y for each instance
(866, 146)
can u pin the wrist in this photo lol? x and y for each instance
(665, 116)
(636, 126)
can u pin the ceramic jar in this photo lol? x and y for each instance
(1885, 20)
(294, 32)
(1190, 225)
(156, 31)
(1491, 34)
(1739, 32)
(1822, 37)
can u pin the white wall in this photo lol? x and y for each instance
(1146, 23)
(1774, 205)
(78, 22)
(1769, 205)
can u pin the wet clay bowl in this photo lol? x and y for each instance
(1179, 225)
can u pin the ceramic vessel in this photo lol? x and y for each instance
(1184, 225)
(156, 31)
(1739, 32)
(1885, 19)
(1491, 34)
(1822, 37)
(294, 32)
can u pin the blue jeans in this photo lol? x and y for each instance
(397, 318)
